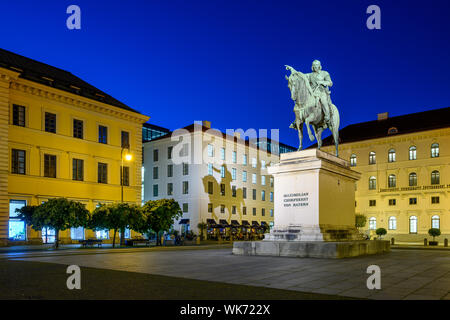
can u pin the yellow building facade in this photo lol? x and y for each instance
(61, 137)
(405, 167)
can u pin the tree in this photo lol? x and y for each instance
(360, 221)
(381, 232)
(59, 214)
(434, 232)
(158, 215)
(115, 216)
(202, 226)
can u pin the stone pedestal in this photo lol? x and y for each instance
(314, 196)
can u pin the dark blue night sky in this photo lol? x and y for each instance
(223, 61)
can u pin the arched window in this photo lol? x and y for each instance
(412, 179)
(391, 155)
(435, 177)
(353, 160)
(435, 222)
(435, 150)
(392, 223)
(372, 158)
(412, 153)
(372, 223)
(413, 224)
(392, 181)
(372, 183)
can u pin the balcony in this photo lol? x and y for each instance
(417, 188)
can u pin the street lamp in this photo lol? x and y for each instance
(128, 157)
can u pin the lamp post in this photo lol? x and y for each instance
(128, 157)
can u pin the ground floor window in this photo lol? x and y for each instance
(127, 233)
(392, 223)
(77, 233)
(102, 234)
(48, 235)
(372, 223)
(413, 224)
(17, 228)
(435, 222)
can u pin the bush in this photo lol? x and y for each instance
(360, 220)
(381, 232)
(434, 232)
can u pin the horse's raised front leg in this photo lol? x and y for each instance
(307, 121)
(300, 134)
(319, 137)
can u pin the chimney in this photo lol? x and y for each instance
(382, 116)
(206, 124)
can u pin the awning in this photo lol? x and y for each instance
(184, 221)
(211, 223)
(263, 223)
(224, 223)
(245, 223)
(235, 223)
(255, 223)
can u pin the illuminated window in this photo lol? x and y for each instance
(391, 155)
(435, 150)
(392, 181)
(372, 158)
(412, 153)
(392, 223)
(372, 223)
(435, 177)
(372, 183)
(353, 160)
(435, 222)
(412, 179)
(413, 224)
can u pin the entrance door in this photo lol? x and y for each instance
(16, 228)
(48, 235)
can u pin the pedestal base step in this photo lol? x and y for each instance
(311, 249)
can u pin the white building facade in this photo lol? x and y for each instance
(215, 177)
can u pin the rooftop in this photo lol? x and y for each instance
(50, 76)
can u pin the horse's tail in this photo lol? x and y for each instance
(334, 122)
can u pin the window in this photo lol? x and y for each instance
(16, 227)
(78, 129)
(263, 195)
(222, 189)
(18, 158)
(18, 115)
(102, 173)
(210, 207)
(185, 207)
(372, 223)
(254, 211)
(254, 178)
(77, 233)
(210, 150)
(233, 173)
(372, 203)
(244, 192)
(185, 169)
(244, 211)
(412, 201)
(102, 234)
(435, 177)
(435, 150)
(169, 152)
(271, 181)
(49, 166)
(125, 175)
(127, 233)
(103, 134)
(233, 191)
(263, 212)
(222, 208)
(263, 164)
(372, 183)
(392, 225)
(155, 190)
(210, 169)
(210, 187)
(234, 157)
(392, 182)
(155, 173)
(271, 212)
(48, 235)
(271, 196)
(435, 222)
(170, 170)
(254, 194)
(244, 176)
(155, 155)
(125, 139)
(434, 200)
(372, 158)
(392, 202)
(412, 179)
(391, 155)
(412, 153)
(263, 180)
(244, 159)
(78, 169)
(413, 224)
(222, 153)
(254, 162)
(233, 210)
(353, 160)
(170, 189)
(222, 171)
(50, 122)
(185, 187)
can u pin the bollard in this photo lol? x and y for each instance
(445, 242)
(392, 241)
(425, 241)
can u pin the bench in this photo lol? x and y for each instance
(132, 242)
(91, 242)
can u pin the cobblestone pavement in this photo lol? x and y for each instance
(405, 274)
